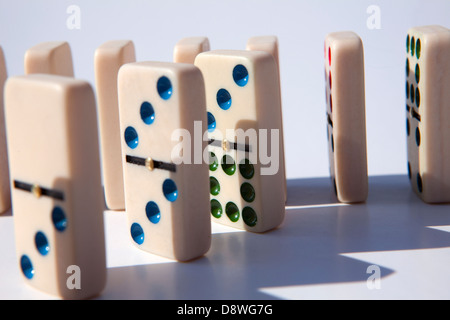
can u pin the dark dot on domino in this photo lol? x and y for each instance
(152, 212)
(41, 242)
(407, 90)
(417, 73)
(246, 169)
(407, 127)
(407, 67)
(27, 267)
(164, 87)
(223, 99)
(213, 162)
(413, 46)
(418, 48)
(214, 186)
(247, 192)
(59, 219)
(332, 143)
(147, 113)
(232, 211)
(228, 165)
(216, 209)
(407, 43)
(131, 137)
(419, 183)
(170, 190)
(240, 75)
(137, 233)
(409, 170)
(249, 216)
(211, 122)
(417, 97)
(411, 93)
(418, 136)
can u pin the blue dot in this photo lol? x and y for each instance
(59, 219)
(26, 266)
(137, 233)
(147, 113)
(170, 190)
(240, 75)
(211, 122)
(224, 99)
(152, 211)
(41, 243)
(164, 87)
(131, 137)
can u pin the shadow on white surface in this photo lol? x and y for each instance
(308, 249)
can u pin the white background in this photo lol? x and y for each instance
(301, 26)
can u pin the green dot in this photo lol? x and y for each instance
(417, 73)
(417, 97)
(216, 208)
(228, 165)
(214, 186)
(214, 163)
(418, 47)
(232, 211)
(249, 216)
(413, 46)
(246, 169)
(247, 192)
(407, 43)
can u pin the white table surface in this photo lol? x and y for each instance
(322, 251)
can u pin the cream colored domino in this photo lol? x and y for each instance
(109, 57)
(428, 112)
(344, 76)
(53, 57)
(187, 49)
(56, 184)
(166, 199)
(270, 44)
(243, 98)
(5, 192)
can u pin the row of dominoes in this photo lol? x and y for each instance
(54, 165)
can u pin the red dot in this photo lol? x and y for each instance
(329, 56)
(329, 78)
(331, 104)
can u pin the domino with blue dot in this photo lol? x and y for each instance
(243, 97)
(187, 49)
(5, 192)
(345, 111)
(428, 112)
(54, 57)
(56, 190)
(109, 57)
(166, 194)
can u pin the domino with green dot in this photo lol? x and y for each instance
(243, 93)
(166, 195)
(57, 199)
(428, 112)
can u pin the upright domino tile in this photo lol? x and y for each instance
(53, 57)
(56, 184)
(428, 112)
(270, 44)
(346, 124)
(109, 57)
(5, 192)
(166, 199)
(243, 97)
(187, 49)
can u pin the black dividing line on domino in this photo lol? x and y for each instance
(415, 115)
(330, 122)
(150, 163)
(233, 145)
(38, 190)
